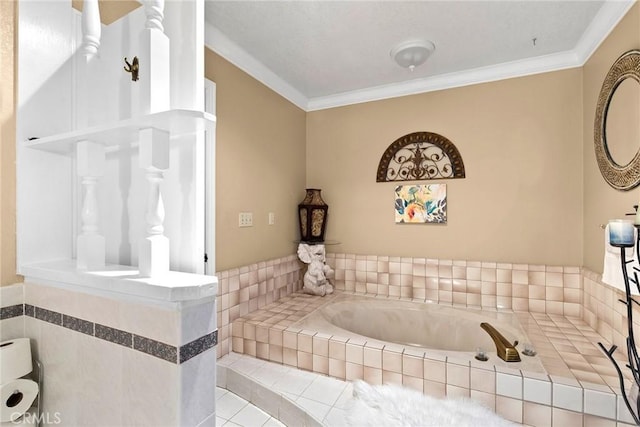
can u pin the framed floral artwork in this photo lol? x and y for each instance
(421, 204)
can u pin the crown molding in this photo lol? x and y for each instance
(220, 44)
(492, 73)
(605, 21)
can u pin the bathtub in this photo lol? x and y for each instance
(437, 329)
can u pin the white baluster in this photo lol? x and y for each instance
(155, 206)
(90, 166)
(154, 10)
(153, 250)
(89, 212)
(91, 28)
(151, 93)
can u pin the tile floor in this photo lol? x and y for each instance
(232, 410)
(323, 399)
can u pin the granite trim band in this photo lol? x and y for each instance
(155, 348)
(78, 325)
(114, 335)
(198, 345)
(11, 311)
(48, 316)
(130, 340)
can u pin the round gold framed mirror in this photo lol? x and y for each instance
(617, 123)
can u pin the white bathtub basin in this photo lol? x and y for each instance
(442, 330)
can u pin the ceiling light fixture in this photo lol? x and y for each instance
(413, 53)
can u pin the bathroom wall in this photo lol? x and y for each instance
(601, 202)
(146, 362)
(521, 200)
(260, 167)
(8, 26)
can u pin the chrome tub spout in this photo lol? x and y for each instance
(506, 351)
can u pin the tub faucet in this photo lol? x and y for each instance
(506, 351)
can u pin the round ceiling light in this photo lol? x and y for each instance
(411, 54)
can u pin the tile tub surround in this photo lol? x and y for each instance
(135, 356)
(246, 289)
(579, 377)
(308, 398)
(520, 287)
(555, 290)
(604, 312)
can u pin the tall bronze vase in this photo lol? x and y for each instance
(312, 214)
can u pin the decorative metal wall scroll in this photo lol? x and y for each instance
(420, 156)
(620, 177)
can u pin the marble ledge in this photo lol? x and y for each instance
(123, 281)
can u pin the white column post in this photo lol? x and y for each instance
(153, 250)
(91, 31)
(152, 91)
(91, 28)
(90, 159)
(154, 9)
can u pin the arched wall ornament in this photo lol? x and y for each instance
(420, 156)
(620, 177)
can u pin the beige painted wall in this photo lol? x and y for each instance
(601, 202)
(8, 19)
(521, 142)
(110, 10)
(260, 166)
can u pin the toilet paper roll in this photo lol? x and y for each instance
(17, 397)
(15, 359)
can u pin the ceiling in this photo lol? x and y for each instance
(322, 54)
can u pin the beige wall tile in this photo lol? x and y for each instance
(320, 364)
(337, 368)
(537, 415)
(435, 389)
(509, 408)
(372, 375)
(456, 392)
(562, 417)
(389, 377)
(487, 399)
(482, 380)
(434, 370)
(372, 357)
(392, 361)
(457, 375)
(305, 361)
(354, 371)
(412, 366)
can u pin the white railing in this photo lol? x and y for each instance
(151, 95)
